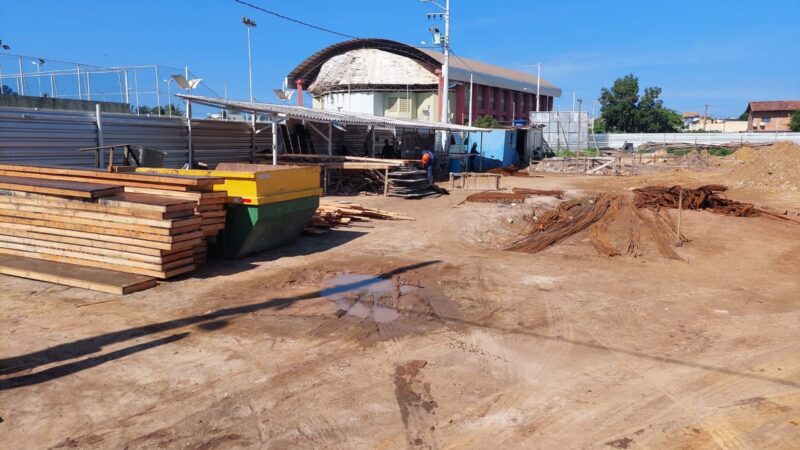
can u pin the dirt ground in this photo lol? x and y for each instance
(456, 343)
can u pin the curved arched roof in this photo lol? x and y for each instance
(460, 68)
(309, 69)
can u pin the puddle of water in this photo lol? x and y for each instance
(344, 288)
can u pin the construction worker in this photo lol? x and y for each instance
(429, 162)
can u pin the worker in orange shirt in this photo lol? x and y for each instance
(429, 162)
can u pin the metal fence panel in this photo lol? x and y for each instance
(54, 137)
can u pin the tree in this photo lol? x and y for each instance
(622, 110)
(161, 110)
(7, 90)
(794, 124)
(485, 122)
(744, 116)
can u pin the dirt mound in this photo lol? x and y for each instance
(744, 154)
(776, 167)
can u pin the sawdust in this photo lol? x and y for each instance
(776, 167)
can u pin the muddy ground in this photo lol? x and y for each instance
(427, 334)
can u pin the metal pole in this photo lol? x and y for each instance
(99, 122)
(158, 91)
(169, 98)
(127, 94)
(136, 90)
(538, 79)
(21, 78)
(471, 96)
(53, 86)
(274, 140)
(189, 133)
(580, 103)
(249, 63)
(446, 74)
(80, 87)
(39, 76)
(88, 86)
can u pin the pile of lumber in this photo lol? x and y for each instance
(123, 229)
(330, 215)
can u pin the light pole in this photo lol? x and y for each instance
(249, 24)
(38, 65)
(169, 97)
(445, 113)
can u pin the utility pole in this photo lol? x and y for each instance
(445, 94)
(580, 102)
(538, 81)
(249, 24)
(705, 118)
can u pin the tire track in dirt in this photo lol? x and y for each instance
(510, 400)
(722, 432)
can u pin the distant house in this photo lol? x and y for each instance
(771, 116)
(690, 118)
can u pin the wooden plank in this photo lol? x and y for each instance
(23, 231)
(119, 261)
(91, 278)
(190, 195)
(92, 250)
(58, 187)
(159, 203)
(59, 226)
(178, 226)
(29, 198)
(45, 176)
(183, 180)
(94, 217)
(162, 274)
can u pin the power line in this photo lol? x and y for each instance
(299, 22)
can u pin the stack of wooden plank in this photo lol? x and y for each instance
(54, 216)
(210, 204)
(330, 214)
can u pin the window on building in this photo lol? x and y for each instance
(480, 96)
(502, 101)
(766, 119)
(491, 99)
(399, 105)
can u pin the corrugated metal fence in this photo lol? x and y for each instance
(54, 137)
(617, 140)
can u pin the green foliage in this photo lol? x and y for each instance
(794, 124)
(571, 153)
(719, 151)
(161, 110)
(744, 116)
(485, 122)
(678, 152)
(599, 126)
(6, 90)
(623, 110)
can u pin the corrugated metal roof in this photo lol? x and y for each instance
(317, 115)
(460, 68)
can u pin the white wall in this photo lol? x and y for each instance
(616, 140)
(357, 102)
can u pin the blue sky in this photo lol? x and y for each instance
(723, 53)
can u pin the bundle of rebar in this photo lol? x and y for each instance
(566, 220)
(550, 193)
(704, 197)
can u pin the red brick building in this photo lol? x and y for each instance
(771, 116)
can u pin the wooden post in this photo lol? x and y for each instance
(386, 182)
(678, 241)
(325, 182)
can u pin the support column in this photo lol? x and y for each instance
(475, 106)
(439, 92)
(299, 92)
(510, 106)
(460, 92)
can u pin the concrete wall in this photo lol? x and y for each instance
(728, 126)
(61, 104)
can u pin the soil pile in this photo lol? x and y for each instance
(744, 154)
(776, 167)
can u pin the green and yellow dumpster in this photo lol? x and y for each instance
(267, 206)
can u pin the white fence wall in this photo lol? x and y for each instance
(617, 140)
(562, 130)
